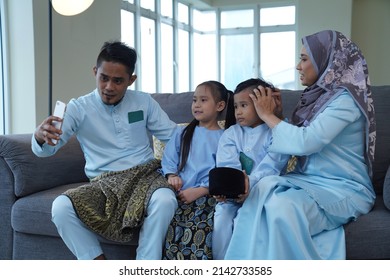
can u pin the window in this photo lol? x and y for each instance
(147, 55)
(277, 58)
(277, 47)
(167, 80)
(236, 19)
(236, 59)
(127, 23)
(205, 47)
(181, 46)
(277, 16)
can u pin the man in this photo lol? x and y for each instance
(126, 190)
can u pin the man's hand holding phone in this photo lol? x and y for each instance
(49, 130)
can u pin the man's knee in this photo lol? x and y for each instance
(60, 208)
(163, 199)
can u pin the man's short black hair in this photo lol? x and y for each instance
(116, 51)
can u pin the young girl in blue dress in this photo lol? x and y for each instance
(186, 162)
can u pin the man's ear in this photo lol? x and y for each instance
(132, 79)
(94, 70)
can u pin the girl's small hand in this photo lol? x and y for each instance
(191, 194)
(220, 198)
(175, 181)
(241, 197)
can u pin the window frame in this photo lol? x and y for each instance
(256, 30)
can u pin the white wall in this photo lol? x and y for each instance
(371, 31)
(317, 15)
(76, 43)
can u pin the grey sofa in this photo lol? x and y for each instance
(29, 184)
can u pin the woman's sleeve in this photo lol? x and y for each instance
(271, 164)
(293, 140)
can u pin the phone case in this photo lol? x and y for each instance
(59, 111)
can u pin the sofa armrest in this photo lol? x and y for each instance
(7, 199)
(32, 174)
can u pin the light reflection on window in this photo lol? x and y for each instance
(127, 23)
(183, 63)
(205, 58)
(277, 16)
(167, 8)
(234, 19)
(148, 55)
(167, 58)
(236, 59)
(277, 58)
(204, 21)
(183, 13)
(147, 4)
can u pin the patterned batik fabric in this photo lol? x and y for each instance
(114, 203)
(189, 235)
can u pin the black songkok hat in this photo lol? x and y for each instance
(226, 181)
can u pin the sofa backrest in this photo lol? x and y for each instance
(381, 97)
(178, 107)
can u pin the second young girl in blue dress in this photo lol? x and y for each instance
(187, 160)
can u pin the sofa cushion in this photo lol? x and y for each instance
(32, 213)
(386, 189)
(368, 236)
(31, 173)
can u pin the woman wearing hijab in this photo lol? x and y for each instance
(301, 214)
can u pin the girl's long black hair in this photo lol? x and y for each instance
(220, 93)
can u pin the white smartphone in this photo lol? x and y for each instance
(59, 111)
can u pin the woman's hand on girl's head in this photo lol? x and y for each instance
(267, 103)
(263, 101)
(278, 111)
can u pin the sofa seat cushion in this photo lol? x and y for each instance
(360, 234)
(32, 214)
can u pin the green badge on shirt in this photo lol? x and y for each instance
(135, 116)
(246, 163)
